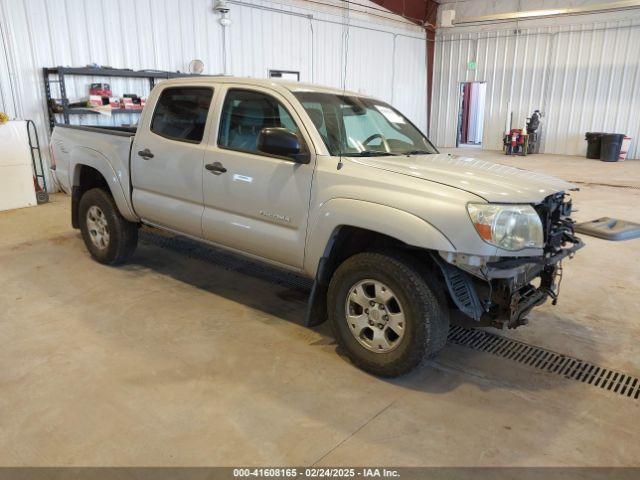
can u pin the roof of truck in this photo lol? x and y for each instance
(265, 82)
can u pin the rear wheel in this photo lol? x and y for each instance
(108, 236)
(386, 312)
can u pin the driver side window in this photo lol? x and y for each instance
(245, 113)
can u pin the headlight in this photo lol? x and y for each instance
(512, 227)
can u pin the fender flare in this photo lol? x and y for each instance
(390, 221)
(84, 156)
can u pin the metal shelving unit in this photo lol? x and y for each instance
(60, 73)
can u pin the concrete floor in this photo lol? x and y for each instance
(172, 360)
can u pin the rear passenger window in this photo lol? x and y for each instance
(181, 113)
(245, 113)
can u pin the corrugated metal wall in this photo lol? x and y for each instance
(6, 95)
(584, 77)
(385, 58)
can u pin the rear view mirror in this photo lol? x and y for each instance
(283, 143)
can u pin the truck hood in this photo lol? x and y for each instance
(491, 181)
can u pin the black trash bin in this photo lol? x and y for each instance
(611, 146)
(593, 144)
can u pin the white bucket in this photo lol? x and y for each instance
(626, 145)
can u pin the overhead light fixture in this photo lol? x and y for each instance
(553, 12)
(221, 6)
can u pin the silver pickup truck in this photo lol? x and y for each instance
(399, 238)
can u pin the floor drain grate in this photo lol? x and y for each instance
(547, 360)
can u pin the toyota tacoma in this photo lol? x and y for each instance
(340, 187)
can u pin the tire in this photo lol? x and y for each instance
(420, 301)
(99, 215)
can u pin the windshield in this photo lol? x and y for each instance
(357, 126)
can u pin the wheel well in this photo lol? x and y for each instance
(348, 240)
(87, 178)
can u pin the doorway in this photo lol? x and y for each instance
(471, 116)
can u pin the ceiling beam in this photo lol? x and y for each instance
(421, 12)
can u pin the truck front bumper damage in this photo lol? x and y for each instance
(501, 292)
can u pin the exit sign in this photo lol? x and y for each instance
(471, 65)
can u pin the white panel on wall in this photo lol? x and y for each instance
(409, 79)
(261, 40)
(16, 180)
(328, 60)
(583, 77)
(368, 53)
(6, 88)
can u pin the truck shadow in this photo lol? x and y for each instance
(283, 295)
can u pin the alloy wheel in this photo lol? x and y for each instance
(375, 316)
(98, 227)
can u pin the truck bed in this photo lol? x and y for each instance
(106, 149)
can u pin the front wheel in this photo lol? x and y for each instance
(108, 236)
(386, 312)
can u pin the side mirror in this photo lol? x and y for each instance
(283, 143)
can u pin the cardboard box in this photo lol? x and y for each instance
(95, 101)
(127, 104)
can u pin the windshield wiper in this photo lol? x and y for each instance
(417, 152)
(366, 153)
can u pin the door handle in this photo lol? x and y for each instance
(146, 154)
(216, 168)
